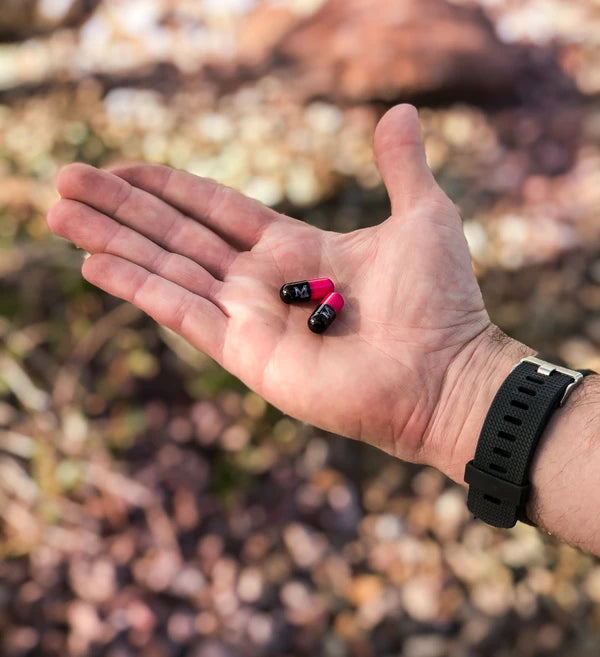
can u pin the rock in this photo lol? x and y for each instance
(210, 649)
(20, 19)
(303, 607)
(262, 30)
(365, 588)
(93, 581)
(450, 513)
(421, 598)
(250, 584)
(306, 547)
(375, 49)
(425, 646)
(84, 621)
(20, 640)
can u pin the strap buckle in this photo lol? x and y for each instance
(546, 368)
(493, 486)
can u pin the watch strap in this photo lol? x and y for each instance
(498, 474)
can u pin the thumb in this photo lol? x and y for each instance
(401, 158)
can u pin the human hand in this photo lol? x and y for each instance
(207, 262)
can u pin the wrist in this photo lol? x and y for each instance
(563, 470)
(472, 380)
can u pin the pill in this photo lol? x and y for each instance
(326, 312)
(317, 288)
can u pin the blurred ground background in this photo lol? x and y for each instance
(151, 505)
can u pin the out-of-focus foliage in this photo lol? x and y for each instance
(150, 503)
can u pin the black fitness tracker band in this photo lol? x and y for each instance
(498, 475)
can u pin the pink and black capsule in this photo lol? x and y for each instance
(324, 315)
(317, 288)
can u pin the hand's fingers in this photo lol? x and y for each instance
(97, 233)
(197, 319)
(401, 157)
(148, 215)
(237, 218)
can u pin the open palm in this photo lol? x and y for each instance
(208, 262)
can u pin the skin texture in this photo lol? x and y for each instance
(207, 262)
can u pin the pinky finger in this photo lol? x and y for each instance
(195, 318)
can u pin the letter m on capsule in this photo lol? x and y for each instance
(317, 288)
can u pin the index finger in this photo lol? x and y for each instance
(237, 218)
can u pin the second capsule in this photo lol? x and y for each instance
(324, 314)
(317, 288)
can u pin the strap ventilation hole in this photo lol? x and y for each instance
(526, 391)
(513, 420)
(493, 500)
(497, 468)
(519, 404)
(502, 452)
(506, 436)
(535, 378)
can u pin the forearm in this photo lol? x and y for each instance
(564, 473)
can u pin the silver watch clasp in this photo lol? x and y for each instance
(545, 368)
